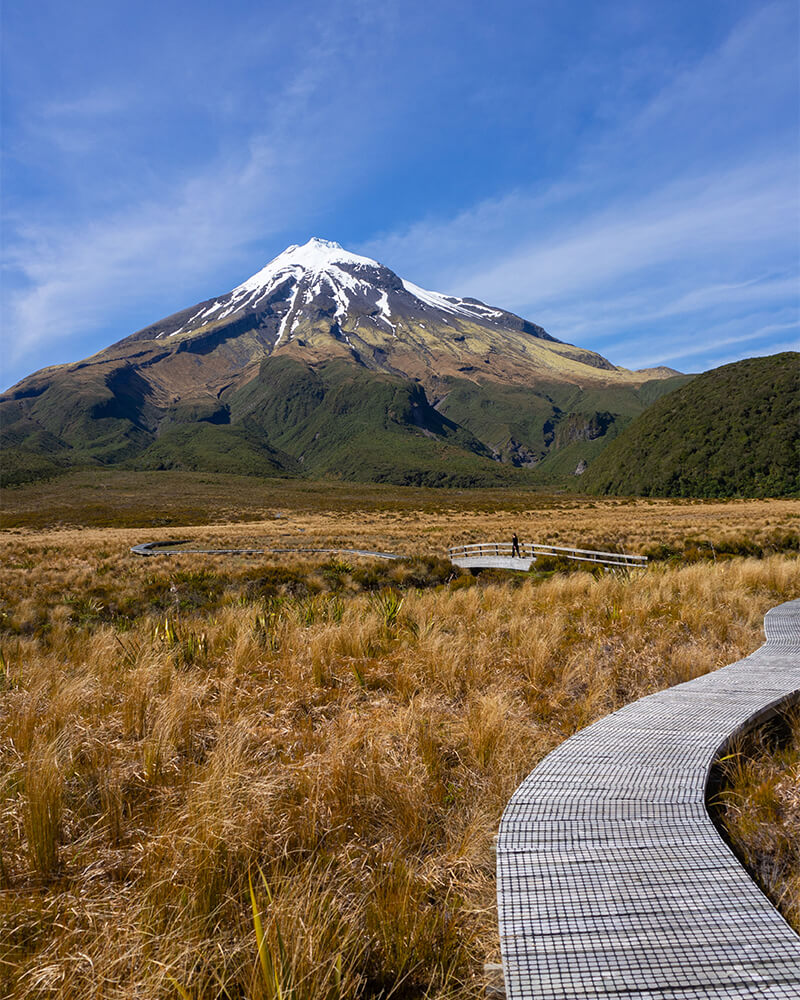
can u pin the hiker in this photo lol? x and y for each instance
(514, 545)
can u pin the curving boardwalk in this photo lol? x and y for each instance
(612, 881)
(161, 549)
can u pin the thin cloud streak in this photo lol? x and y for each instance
(683, 350)
(65, 280)
(691, 352)
(776, 348)
(602, 318)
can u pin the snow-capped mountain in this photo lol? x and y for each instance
(318, 347)
(319, 301)
(320, 279)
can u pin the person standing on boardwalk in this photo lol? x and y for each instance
(514, 545)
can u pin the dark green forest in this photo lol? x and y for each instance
(732, 431)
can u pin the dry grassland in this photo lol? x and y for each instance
(326, 744)
(239, 512)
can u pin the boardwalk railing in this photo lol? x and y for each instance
(466, 555)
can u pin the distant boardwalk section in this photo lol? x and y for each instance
(176, 547)
(612, 880)
(497, 555)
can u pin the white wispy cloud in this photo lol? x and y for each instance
(776, 347)
(604, 317)
(634, 263)
(695, 218)
(74, 280)
(688, 349)
(165, 240)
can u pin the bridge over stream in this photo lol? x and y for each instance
(485, 555)
(613, 882)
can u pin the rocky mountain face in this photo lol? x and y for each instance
(429, 386)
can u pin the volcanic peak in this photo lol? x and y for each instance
(316, 267)
(297, 277)
(248, 372)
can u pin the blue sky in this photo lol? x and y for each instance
(624, 174)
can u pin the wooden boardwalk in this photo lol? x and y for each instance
(612, 881)
(497, 555)
(169, 548)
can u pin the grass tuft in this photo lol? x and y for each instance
(756, 804)
(43, 808)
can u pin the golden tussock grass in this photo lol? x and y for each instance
(255, 778)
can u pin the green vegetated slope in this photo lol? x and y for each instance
(338, 419)
(732, 431)
(344, 421)
(204, 447)
(334, 419)
(553, 426)
(78, 418)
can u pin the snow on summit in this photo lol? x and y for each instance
(315, 256)
(325, 257)
(319, 265)
(321, 274)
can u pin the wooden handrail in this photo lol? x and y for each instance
(465, 554)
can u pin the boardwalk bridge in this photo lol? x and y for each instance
(498, 555)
